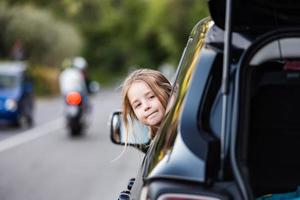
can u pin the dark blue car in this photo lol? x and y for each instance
(16, 94)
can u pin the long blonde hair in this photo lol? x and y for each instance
(158, 83)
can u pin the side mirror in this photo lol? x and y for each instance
(94, 87)
(137, 133)
(115, 127)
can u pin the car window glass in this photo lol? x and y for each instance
(7, 81)
(188, 63)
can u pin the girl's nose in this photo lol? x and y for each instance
(146, 106)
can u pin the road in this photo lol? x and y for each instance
(43, 163)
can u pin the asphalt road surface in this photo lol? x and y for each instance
(44, 163)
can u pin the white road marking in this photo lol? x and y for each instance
(31, 134)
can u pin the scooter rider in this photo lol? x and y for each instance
(81, 64)
(73, 78)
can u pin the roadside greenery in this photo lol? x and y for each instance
(45, 80)
(113, 35)
(43, 39)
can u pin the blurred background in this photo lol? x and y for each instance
(113, 35)
(39, 160)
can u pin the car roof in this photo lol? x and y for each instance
(12, 67)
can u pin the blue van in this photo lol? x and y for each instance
(16, 94)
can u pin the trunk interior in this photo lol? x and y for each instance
(272, 142)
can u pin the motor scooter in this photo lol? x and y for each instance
(76, 101)
(76, 113)
(75, 90)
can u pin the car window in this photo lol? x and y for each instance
(7, 81)
(187, 66)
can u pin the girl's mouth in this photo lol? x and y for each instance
(151, 114)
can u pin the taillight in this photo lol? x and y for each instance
(73, 98)
(185, 197)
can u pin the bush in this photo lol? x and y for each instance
(45, 80)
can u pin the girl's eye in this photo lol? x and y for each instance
(152, 97)
(137, 105)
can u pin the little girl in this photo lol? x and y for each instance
(145, 95)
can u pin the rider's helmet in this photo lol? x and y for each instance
(79, 63)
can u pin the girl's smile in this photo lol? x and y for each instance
(146, 106)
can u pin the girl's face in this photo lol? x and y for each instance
(146, 106)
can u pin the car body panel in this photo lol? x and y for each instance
(10, 93)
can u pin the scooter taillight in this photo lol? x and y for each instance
(73, 98)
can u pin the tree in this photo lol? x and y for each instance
(118, 34)
(44, 39)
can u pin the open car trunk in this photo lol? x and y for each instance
(268, 123)
(274, 137)
(257, 16)
(268, 144)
